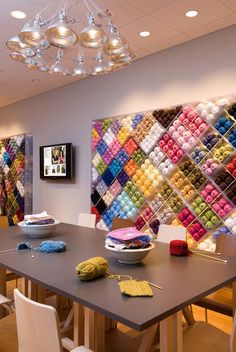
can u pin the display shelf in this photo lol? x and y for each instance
(135, 167)
(16, 177)
(224, 123)
(209, 165)
(230, 165)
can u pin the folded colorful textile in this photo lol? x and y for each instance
(39, 219)
(128, 238)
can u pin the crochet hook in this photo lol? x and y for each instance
(209, 256)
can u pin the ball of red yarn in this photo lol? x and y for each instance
(179, 248)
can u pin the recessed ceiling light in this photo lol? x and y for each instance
(18, 14)
(191, 13)
(144, 34)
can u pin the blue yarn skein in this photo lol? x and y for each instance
(52, 246)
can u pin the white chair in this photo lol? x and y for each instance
(87, 220)
(38, 326)
(168, 233)
(221, 300)
(118, 223)
(203, 337)
(6, 303)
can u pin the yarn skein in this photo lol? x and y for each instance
(92, 268)
(52, 246)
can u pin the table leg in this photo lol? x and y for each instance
(32, 290)
(148, 338)
(41, 294)
(24, 287)
(234, 296)
(171, 334)
(3, 288)
(78, 324)
(94, 323)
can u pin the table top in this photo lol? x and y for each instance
(184, 279)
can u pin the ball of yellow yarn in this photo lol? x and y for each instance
(92, 268)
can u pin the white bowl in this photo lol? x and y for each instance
(130, 256)
(38, 231)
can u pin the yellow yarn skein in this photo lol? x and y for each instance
(92, 268)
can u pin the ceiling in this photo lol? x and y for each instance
(165, 19)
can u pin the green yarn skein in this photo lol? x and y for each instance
(92, 268)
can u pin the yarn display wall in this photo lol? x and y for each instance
(16, 177)
(175, 165)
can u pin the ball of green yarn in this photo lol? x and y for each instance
(92, 268)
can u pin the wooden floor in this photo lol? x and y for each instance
(118, 340)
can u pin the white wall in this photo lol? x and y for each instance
(196, 70)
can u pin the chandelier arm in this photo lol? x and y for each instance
(65, 5)
(56, 13)
(40, 12)
(100, 11)
(87, 5)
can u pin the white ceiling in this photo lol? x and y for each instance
(165, 19)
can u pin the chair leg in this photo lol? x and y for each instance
(206, 315)
(188, 315)
(8, 307)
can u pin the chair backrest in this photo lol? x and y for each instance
(167, 233)
(37, 325)
(4, 221)
(118, 223)
(226, 245)
(87, 220)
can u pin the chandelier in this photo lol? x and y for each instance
(71, 38)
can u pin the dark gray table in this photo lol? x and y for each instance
(184, 279)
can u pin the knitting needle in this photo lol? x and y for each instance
(209, 256)
(204, 251)
(8, 250)
(151, 284)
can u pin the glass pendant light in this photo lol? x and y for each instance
(31, 63)
(57, 27)
(100, 68)
(17, 46)
(80, 69)
(92, 36)
(18, 57)
(60, 34)
(126, 57)
(32, 35)
(58, 67)
(37, 62)
(116, 44)
(116, 66)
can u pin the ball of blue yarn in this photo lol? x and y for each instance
(52, 246)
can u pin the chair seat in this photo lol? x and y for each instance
(217, 306)
(203, 337)
(4, 300)
(8, 335)
(81, 349)
(219, 301)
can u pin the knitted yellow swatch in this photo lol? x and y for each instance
(135, 288)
